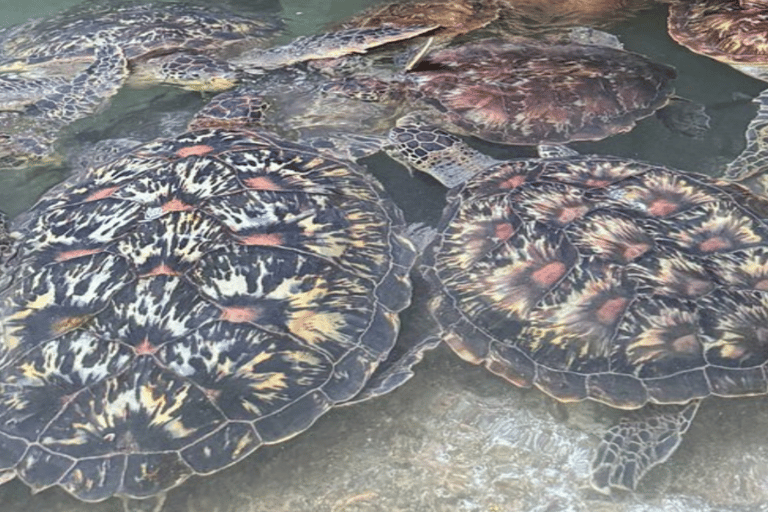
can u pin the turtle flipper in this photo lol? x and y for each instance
(684, 117)
(445, 157)
(326, 46)
(637, 444)
(748, 166)
(409, 349)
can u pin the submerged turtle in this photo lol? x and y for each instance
(186, 39)
(28, 130)
(514, 92)
(174, 44)
(603, 278)
(172, 310)
(734, 32)
(189, 46)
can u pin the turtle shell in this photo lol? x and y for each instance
(607, 279)
(729, 31)
(174, 309)
(529, 92)
(452, 18)
(141, 30)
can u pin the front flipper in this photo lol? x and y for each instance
(638, 443)
(445, 157)
(412, 343)
(684, 117)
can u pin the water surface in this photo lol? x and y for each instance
(456, 438)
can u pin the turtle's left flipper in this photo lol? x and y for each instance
(638, 443)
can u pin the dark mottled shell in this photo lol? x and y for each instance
(171, 311)
(724, 31)
(140, 29)
(529, 92)
(606, 279)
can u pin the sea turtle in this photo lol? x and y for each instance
(602, 278)
(520, 91)
(734, 32)
(169, 311)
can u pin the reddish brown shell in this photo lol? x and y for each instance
(527, 16)
(724, 31)
(529, 92)
(454, 18)
(608, 279)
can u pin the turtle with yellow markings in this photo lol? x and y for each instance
(603, 278)
(169, 310)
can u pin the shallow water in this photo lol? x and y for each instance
(456, 438)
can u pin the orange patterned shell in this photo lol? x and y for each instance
(608, 279)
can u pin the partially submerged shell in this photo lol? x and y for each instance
(729, 31)
(55, 44)
(453, 18)
(530, 92)
(607, 279)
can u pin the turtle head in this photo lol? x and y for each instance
(240, 108)
(193, 72)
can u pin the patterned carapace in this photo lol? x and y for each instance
(172, 310)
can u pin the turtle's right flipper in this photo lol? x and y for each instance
(638, 443)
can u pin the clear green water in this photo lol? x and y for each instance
(456, 438)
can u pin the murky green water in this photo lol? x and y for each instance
(455, 438)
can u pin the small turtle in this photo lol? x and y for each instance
(514, 92)
(734, 32)
(603, 278)
(167, 312)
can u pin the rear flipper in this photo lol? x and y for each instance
(638, 443)
(410, 347)
(684, 117)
